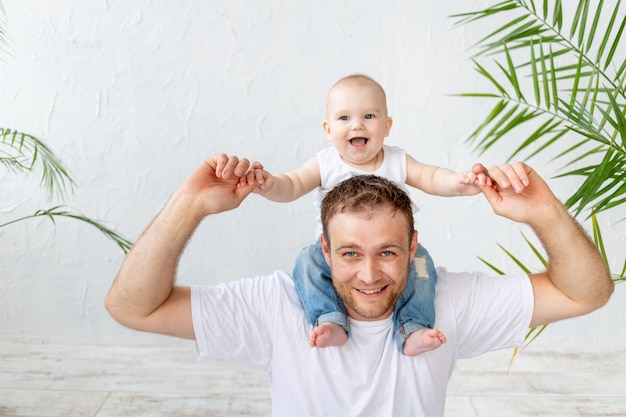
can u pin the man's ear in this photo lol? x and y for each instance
(326, 127)
(414, 244)
(325, 248)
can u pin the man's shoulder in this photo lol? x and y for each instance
(454, 276)
(279, 280)
(469, 279)
(280, 283)
(263, 297)
(465, 288)
(274, 284)
(446, 277)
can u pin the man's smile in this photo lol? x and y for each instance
(371, 291)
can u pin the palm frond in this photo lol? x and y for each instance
(597, 237)
(614, 45)
(490, 265)
(558, 85)
(526, 25)
(514, 259)
(622, 276)
(535, 251)
(533, 334)
(603, 185)
(62, 211)
(23, 152)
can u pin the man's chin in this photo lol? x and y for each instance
(368, 313)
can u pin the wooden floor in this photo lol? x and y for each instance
(99, 381)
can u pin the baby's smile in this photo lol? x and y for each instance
(358, 141)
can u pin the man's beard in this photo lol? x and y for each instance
(366, 311)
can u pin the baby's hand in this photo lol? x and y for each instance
(263, 180)
(468, 181)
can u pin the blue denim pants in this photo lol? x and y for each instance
(414, 309)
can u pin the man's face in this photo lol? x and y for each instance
(369, 257)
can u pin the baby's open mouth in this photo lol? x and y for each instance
(358, 141)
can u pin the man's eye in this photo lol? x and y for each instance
(349, 254)
(387, 253)
(343, 118)
(369, 116)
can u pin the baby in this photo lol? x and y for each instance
(357, 125)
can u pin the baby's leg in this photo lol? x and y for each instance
(328, 334)
(414, 324)
(423, 340)
(323, 308)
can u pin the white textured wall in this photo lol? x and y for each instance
(132, 95)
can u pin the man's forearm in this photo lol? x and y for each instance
(147, 275)
(577, 280)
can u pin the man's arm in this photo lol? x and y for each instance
(144, 295)
(576, 280)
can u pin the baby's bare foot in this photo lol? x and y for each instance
(423, 340)
(328, 334)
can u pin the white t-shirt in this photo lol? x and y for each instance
(259, 322)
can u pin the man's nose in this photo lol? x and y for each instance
(370, 272)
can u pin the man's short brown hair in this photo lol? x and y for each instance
(366, 194)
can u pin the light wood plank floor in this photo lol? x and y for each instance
(100, 381)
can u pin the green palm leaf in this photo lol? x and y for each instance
(61, 211)
(578, 86)
(574, 69)
(23, 152)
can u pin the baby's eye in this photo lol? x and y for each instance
(369, 116)
(344, 118)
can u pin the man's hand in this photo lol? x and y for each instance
(215, 185)
(515, 191)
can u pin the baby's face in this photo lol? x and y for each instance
(357, 122)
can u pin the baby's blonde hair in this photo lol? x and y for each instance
(360, 79)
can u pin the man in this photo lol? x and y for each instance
(368, 241)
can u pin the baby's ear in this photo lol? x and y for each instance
(326, 127)
(389, 123)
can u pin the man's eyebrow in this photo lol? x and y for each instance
(383, 246)
(347, 246)
(396, 246)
